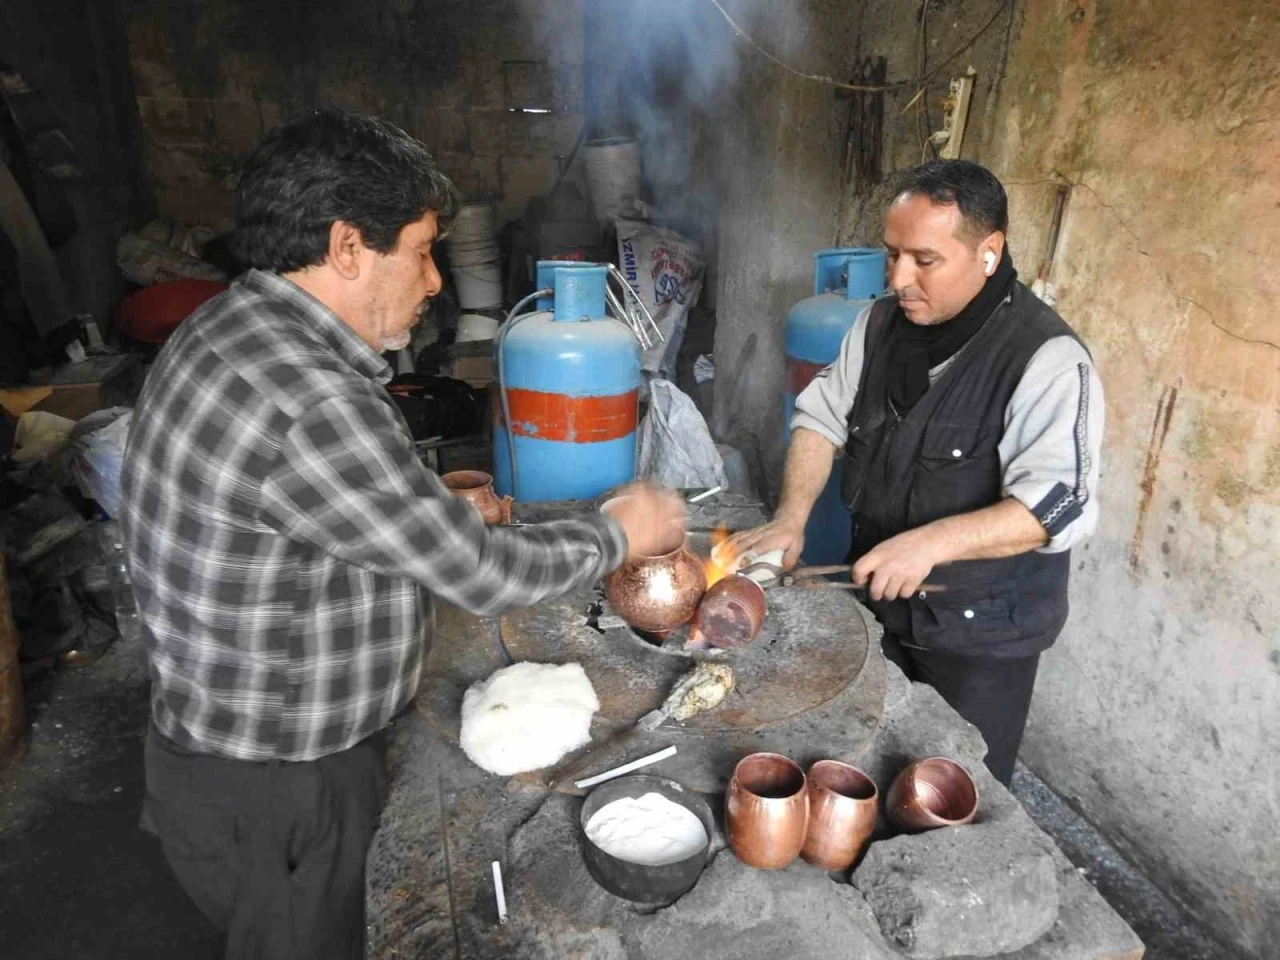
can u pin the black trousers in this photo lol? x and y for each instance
(273, 853)
(993, 694)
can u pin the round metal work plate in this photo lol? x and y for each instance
(812, 647)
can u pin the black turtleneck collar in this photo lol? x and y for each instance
(918, 349)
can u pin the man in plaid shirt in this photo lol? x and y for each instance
(285, 542)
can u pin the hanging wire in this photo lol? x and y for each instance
(858, 87)
(512, 320)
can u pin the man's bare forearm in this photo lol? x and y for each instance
(1004, 529)
(808, 467)
(897, 567)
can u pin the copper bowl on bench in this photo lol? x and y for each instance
(931, 793)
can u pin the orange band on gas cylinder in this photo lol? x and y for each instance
(553, 416)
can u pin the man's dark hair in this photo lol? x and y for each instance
(973, 188)
(328, 165)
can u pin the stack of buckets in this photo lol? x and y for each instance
(613, 176)
(474, 257)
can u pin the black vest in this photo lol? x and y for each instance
(941, 459)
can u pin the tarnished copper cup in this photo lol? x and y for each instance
(766, 811)
(842, 814)
(930, 793)
(731, 612)
(476, 487)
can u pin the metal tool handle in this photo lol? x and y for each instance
(623, 314)
(805, 573)
(630, 295)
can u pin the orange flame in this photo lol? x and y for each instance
(722, 562)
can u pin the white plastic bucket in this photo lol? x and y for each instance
(613, 176)
(475, 221)
(476, 326)
(473, 239)
(479, 286)
(473, 255)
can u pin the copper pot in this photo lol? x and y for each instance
(933, 792)
(476, 487)
(767, 811)
(731, 612)
(660, 592)
(842, 814)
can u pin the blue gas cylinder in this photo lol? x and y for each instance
(845, 282)
(572, 376)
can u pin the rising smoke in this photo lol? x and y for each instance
(668, 73)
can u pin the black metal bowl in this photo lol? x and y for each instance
(635, 881)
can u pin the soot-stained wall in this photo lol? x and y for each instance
(74, 52)
(213, 77)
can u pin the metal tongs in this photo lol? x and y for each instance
(644, 327)
(770, 575)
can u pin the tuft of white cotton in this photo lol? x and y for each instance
(527, 716)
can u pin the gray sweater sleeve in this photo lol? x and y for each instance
(1050, 451)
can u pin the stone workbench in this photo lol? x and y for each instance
(998, 886)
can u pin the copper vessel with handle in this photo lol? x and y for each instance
(476, 487)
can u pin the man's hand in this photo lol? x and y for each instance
(781, 533)
(896, 568)
(652, 518)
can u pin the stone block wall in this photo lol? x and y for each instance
(213, 77)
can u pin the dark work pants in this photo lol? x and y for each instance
(993, 694)
(273, 853)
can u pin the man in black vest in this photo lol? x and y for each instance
(970, 420)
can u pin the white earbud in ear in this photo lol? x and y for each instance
(990, 260)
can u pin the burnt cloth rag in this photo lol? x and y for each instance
(918, 349)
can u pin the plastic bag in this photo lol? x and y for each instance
(675, 447)
(146, 262)
(97, 455)
(665, 270)
(40, 435)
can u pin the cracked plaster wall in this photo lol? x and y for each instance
(1158, 712)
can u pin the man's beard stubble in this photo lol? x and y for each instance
(397, 342)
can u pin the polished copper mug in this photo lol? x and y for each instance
(476, 487)
(842, 814)
(732, 612)
(660, 592)
(767, 811)
(930, 793)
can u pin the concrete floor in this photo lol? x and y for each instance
(80, 880)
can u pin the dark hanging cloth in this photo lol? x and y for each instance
(919, 348)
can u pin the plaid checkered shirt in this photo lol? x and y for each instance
(285, 541)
